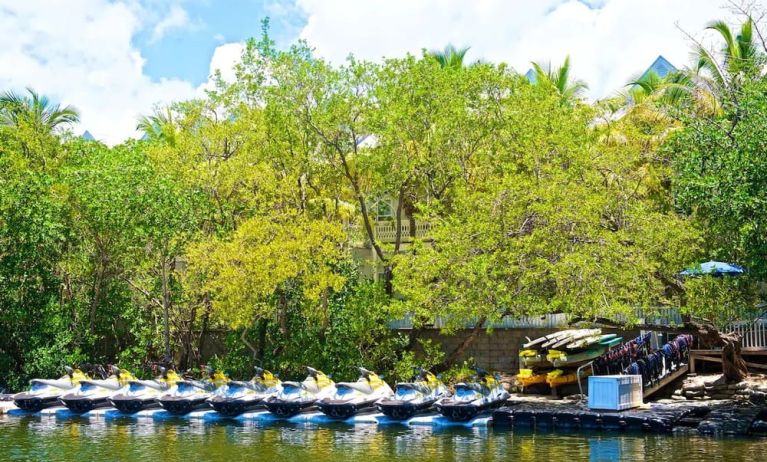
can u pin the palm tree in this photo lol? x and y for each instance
(713, 76)
(738, 56)
(36, 111)
(558, 79)
(159, 126)
(451, 57)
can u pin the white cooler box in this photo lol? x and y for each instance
(615, 392)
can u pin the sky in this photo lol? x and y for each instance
(117, 60)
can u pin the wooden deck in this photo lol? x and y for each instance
(715, 356)
(666, 380)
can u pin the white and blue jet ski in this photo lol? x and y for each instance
(145, 394)
(353, 397)
(45, 393)
(238, 397)
(92, 394)
(190, 395)
(471, 398)
(410, 398)
(300, 396)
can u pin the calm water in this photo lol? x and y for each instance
(46, 438)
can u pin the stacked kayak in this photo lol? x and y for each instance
(552, 360)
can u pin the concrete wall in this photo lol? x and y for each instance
(499, 350)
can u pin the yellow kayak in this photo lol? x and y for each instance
(555, 355)
(528, 377)
(559, 377)
(532, 358)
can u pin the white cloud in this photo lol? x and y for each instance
(609, 41)
(225, 58)
(80, 52)
(177, 18)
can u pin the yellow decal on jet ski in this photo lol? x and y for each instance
(124, 376)
(170, 378)
(322, 380)
(267, 379)
(219, 379)
(77, 375)
(432, 381)
(375, 381)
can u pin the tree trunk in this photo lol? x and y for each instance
(282, 319)
(734, 366)
(205, 325)
(263, 324)
(250, 346)
(459, 350)
(165, 312)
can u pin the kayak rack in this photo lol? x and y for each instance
(578, 376)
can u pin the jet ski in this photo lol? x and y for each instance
(92, 394)
(472, 398)
(144, 394)
(413, 397)
(46, 393)
(189, 395)
(299, 396)
(238, 397)
(353, 397)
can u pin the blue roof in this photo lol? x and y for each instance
(87, 136)
(530, 76)
(660, 66)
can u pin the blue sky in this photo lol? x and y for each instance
(185, 52)
(116, 60)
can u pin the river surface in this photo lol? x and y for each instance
(81, 439)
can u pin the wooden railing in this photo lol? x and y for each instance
(386, 231)
(753, 333)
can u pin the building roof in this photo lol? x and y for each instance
(530, 76)
(87, 136)
(660, 66)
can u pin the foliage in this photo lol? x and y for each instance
(246, 211)
(450, 56)
(721, 181)
(558, 80)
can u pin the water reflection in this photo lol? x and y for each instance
(46, 438)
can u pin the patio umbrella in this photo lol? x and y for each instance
(715, 268)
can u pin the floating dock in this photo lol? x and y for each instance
(709, 418)
(311, 417)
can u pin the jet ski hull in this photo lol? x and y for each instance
(402, 410)
(285, 408)
(132, 404)
(461, 412)
(183, 405)
(232, 407)
(82, 404)
(340, 409)
(33, 403)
